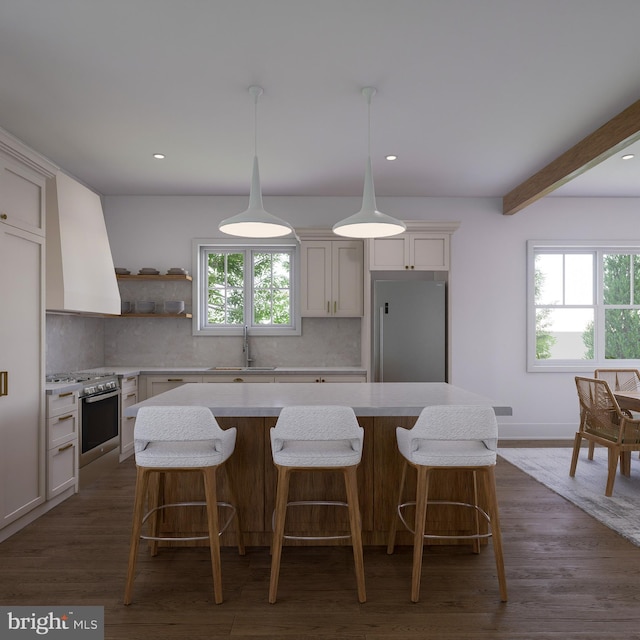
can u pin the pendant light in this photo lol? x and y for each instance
(369, 222)
(255, 222)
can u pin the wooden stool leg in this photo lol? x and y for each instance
(496, 532)
(236, 504)
(209, 476)
(476, 541)
(393, 527)
(142, 483)
(592, 446)
(422, 492)
(625, 463)
(282, 493)
(155, 500)
(351, 486)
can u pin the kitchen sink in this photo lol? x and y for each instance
(242, 368)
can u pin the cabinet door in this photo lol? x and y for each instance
(429, 252)
(315, 279)
(21, 196)
(239, 377)
(127, 424)
(159, 384)
(347, 278)
(389, 254)
(22, 441)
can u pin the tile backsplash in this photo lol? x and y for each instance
(77, 342)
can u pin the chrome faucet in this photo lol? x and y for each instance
(245, 346)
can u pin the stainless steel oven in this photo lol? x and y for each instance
(99, 419)
(99, 412)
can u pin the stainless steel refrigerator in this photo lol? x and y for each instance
(409, 331)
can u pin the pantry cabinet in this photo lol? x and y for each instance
(331, 278)
(23, 177)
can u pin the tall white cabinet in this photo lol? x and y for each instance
(23, 176)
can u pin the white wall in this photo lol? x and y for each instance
(487, 280)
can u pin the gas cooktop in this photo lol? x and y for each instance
(81, 376)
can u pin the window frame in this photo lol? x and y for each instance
(598, 248)
(202, 246)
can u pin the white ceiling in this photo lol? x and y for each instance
(473, 96)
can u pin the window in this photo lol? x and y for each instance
(584, 305)
(240, 285)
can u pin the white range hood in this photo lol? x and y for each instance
(80, 274)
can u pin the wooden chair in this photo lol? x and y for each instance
(603, 422)
(618, 380)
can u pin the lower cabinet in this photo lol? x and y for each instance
(129, 390)
(158, 384)
(322, 378)
(62, 442)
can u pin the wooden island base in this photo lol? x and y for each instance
(254, 474)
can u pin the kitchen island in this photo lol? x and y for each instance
(380, 407)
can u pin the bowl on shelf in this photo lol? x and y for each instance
(148, 271)
(145, 306)
(121, 271)
(174, 306)
(177, 271)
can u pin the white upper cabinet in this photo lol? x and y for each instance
(23, 192)
(410, 251)
(331, 278)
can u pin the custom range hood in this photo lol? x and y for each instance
(80, 274)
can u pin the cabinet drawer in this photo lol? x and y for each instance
(62, 428)
(59, 403)
(128, 384)
(62, 468)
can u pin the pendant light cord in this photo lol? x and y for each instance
(256, 92)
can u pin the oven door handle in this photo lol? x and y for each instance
(102, 396)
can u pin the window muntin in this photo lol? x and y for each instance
(584, 306)
(251, 285)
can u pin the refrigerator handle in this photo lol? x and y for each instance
(380, 346)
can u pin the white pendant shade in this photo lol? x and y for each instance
(255, 222)
(369, 222)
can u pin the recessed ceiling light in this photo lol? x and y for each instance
(628, 156)
(391, 157)
(158, 156)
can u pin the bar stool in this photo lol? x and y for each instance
(450, 437)
(317, 438)
(179, 439)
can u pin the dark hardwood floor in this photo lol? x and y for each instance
(568, 577)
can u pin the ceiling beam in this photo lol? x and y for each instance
(618, 133)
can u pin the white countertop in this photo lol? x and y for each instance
(367, 399)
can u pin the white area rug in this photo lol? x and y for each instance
(550, 466)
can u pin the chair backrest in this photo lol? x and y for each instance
(620, 379)
(323, 422)
(600, 413)
(175, 424)
(458, 422)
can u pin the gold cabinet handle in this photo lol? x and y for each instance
(335, 306)
(412, 267)
(67, 417)
(328, 306)
(65, 395)
(175, 379)
(238, 380)
(131, 395)
(66, 446)
(131, 378)
(4, 383)
(3, 216)
(406, 266)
